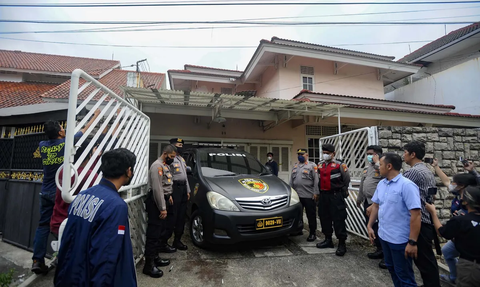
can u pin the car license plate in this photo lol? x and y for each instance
(266, 223)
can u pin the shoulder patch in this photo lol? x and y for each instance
(344, 166)
(315, 167)
(160, 171)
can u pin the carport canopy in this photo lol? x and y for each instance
(243, 105)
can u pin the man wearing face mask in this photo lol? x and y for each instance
(272, 164)
(332, 209)
(304, 180)
(159, 204)
(181, 194)
(370, 179)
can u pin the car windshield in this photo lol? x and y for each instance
(231, 163)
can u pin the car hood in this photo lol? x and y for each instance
(248, 186)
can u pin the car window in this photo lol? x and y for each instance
(229, 163)
(190, 160)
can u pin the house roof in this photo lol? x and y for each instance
(440, 42)
(14, 94)
(381, 100)
(386, 108)
(18, 60)
(276, 40)
(113, 80)
(210, 68)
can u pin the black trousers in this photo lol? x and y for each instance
(374, 226)
(310, 209)
(169, 222)
(180, 199)
(426, 261)
(155, 227)
(332, 209)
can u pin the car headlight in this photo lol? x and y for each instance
(294, 199)
(220, 202)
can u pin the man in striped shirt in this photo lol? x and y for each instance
(424, 179)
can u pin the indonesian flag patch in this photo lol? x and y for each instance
(121, 229)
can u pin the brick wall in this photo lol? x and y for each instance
(445, 144)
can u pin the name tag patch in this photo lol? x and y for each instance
(121, 229)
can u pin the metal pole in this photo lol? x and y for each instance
(340, 138)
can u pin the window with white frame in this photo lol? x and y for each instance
(306, 74)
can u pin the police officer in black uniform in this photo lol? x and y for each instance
(334, 182)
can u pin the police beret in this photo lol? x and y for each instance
(176, 140)
(302, 150)
(328, 147)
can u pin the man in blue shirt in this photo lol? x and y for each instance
(96, 249)
(52, 151)
(396, 204)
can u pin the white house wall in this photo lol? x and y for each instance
(10, 77)
(458, 86)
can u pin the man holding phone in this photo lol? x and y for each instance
(470, 167)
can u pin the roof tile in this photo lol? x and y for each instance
(113, 80)
(14, 94)
(54, 63)
(440, 42)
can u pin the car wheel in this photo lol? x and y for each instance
(196, 230)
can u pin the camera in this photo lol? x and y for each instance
(430, 193)
(428, 160)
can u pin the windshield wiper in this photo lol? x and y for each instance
(227, 174)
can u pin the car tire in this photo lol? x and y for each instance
(197, 230)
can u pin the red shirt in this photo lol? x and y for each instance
(60, 210)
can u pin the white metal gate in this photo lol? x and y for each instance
(351, 148)
(129, 129)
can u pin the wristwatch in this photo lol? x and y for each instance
(412, 242)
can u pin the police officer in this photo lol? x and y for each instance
(370, 179)
(181, 193)
(304, 180)
(159, 204)
(334, 181)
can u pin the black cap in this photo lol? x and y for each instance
(301, 151)
(328, 147)
(270, 153)
(176, 140)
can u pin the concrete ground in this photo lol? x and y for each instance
(287, 261)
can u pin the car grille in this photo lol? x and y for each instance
(263, 202)
(250, 228)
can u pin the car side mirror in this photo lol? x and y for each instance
(189, 170)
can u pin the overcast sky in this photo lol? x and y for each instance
(162, 59)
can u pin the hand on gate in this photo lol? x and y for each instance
(411, 251)
(170, 200)
(371, 235)
(163, 214)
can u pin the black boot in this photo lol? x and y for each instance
(39, 267)
(327, 243)
(150, 269)
(159, 262)
(165, 248)
(382, 265)
(311, 237)
(342, 248)
(179, 245)
(378, 254)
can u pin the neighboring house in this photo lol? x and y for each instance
(33, 87)
(289, 95)
(449, 75)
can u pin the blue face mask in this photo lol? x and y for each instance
(301, 158)
(370, 158)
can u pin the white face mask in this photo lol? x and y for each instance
(452, 187)
(327, 157)
(269, 158)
